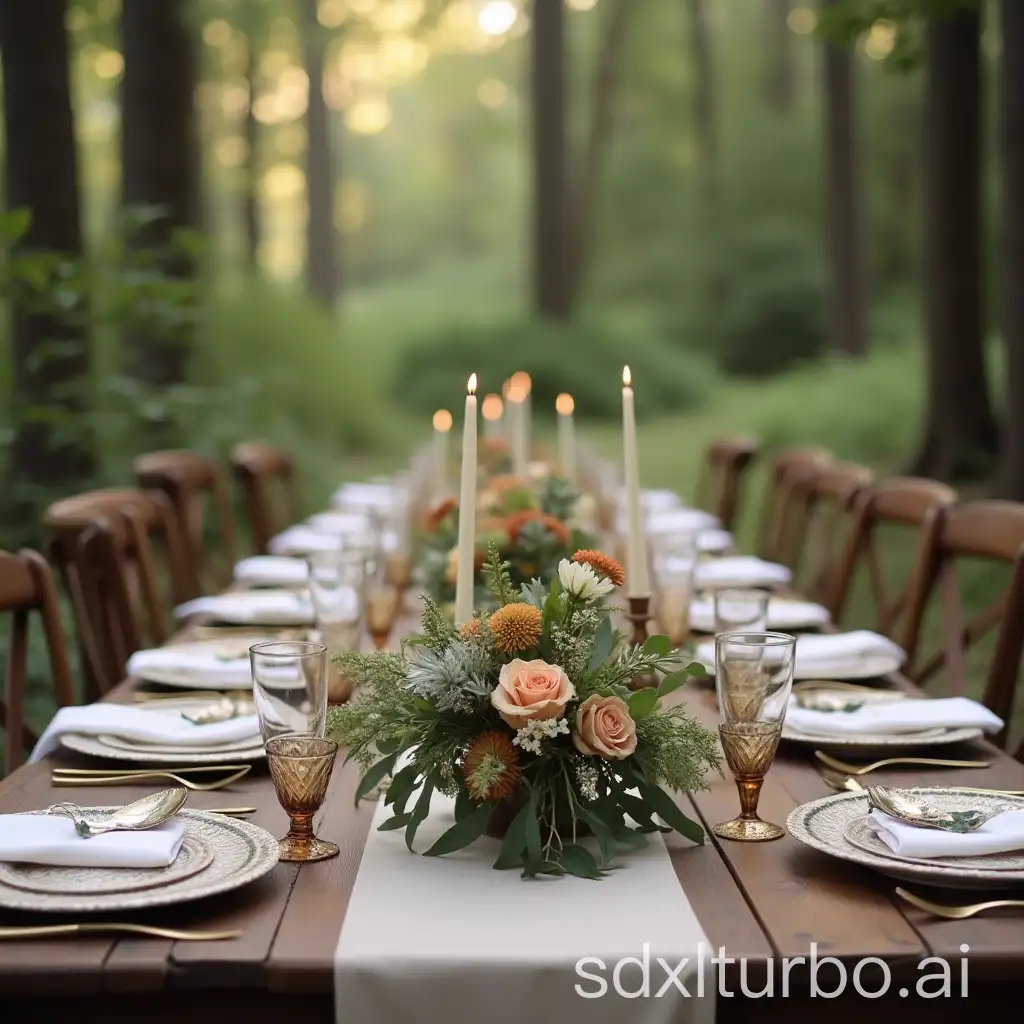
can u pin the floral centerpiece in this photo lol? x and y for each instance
(531, 524)
(525, 716)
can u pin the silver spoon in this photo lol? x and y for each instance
(147, 812)
(926, 815)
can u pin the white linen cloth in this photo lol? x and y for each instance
(823, 654)
(679, 520)
(340, 523)
(714, 541)
(203, 668)
(375, 496)
(893, 718)
(272, 571)
(51, 839)
(656, 500)
(449, 940)
(252, 608)
(741, 571)
(1000, 834)
(783, 614)
(143, 726)
(303, 540)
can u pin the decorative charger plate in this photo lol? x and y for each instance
(823, 824)
(242, 853)
(119, 749)
(228, 649)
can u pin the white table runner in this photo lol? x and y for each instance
(449, 940)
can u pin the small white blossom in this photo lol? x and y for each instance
(532, 735)
(581, 581)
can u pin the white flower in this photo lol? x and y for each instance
(581, 581)
(532, 735)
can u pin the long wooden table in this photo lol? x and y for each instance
(760, 902)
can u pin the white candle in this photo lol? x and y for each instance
(637, 584)
(516, 398)
(564, 406)
(442, 428)
(491, 409)
(467, 512)
(526, 418)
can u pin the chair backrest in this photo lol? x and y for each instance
(191, 481)
(784, 472)
(992, 531)
(721, 477)
(898, 503)
(142, 523)
(26, 586)
(267, 476)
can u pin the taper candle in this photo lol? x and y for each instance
(637, 583)
(516, 411)
(564, 406)
(491, 408)
(467, 512)
(442, 428)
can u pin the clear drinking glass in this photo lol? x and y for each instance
(737, 610)
(289, 687)
(753, 679)
(336, 587)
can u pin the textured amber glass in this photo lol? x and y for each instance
(301, 768)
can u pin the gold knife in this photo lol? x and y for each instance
(46, 931)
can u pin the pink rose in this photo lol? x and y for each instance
(531, 690)
(604, 728)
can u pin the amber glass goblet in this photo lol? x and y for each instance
(301, 768)
(753, 678)
(381, 611)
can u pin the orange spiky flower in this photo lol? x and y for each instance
(516, 627)
(470, 629)
(491, 767)
(604, 565)
(515, 523)
(437, 515)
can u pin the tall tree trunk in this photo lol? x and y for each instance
(781, 76)
(50, 359)
(160, 156)
(1012, 119)
(843, 203)
(960, 436)
(587, 179)
(321, 243)
(551, 277)
(250, 170)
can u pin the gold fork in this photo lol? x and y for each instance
(863, 769)
(954, 913)
(62, 779)
(45, 931)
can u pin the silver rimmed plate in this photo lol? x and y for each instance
(823, 824)
(242, 853)
(119, 749)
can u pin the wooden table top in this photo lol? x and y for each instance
(763, 902)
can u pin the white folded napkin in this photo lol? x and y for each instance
(782, 614)
(303, 540)
(741, 571)
(822, 653)
(894, 718)
(680, 520)
(272, 571)
(51, 839)
(143, 726)
(658, 501)
(1000, 834)
(204, 667)
(252, 607)
(376, 496)
(340, 523)
(714, 541)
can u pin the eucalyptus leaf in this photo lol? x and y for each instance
(579, 861)
(514, 844)
(394, 822)
(640, 813)
(402, 786)
(642, 703)
(666, 808)
(464, 804)
(672, 682)
(375, 776)
(604, 641)
(463, 832)
(419, 812)
(659, 645)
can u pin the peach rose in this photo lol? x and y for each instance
(604, 728)
(531, 690)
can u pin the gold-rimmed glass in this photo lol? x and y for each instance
(301, 768)
(753, 680)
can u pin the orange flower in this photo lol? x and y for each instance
(470, 629)
(515, 523)
(516, 627)
(491, 767)
(437, 515)
(604, 565)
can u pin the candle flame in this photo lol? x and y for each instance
(443, 420)
(564, 404)
(471, 386)
(627, 377)
(492, 407)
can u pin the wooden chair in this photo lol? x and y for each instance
(786, 469)
(142, 523)
(26, 586)
(267, 476)
(895, 503)
(725, 464)
(190, 481)
(994, 532)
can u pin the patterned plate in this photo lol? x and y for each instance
(822, 824)
(865, 743)
(195, 855)
(119, 749)
(242, 852)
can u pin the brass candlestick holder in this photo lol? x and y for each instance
(639, 615)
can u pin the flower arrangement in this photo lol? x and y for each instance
(531, 526)
(525, 716)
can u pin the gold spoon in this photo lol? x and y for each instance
(954, 913)
(45, 931)
(147, 812)
(847, 784)
(863, 769)
(915, 811)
